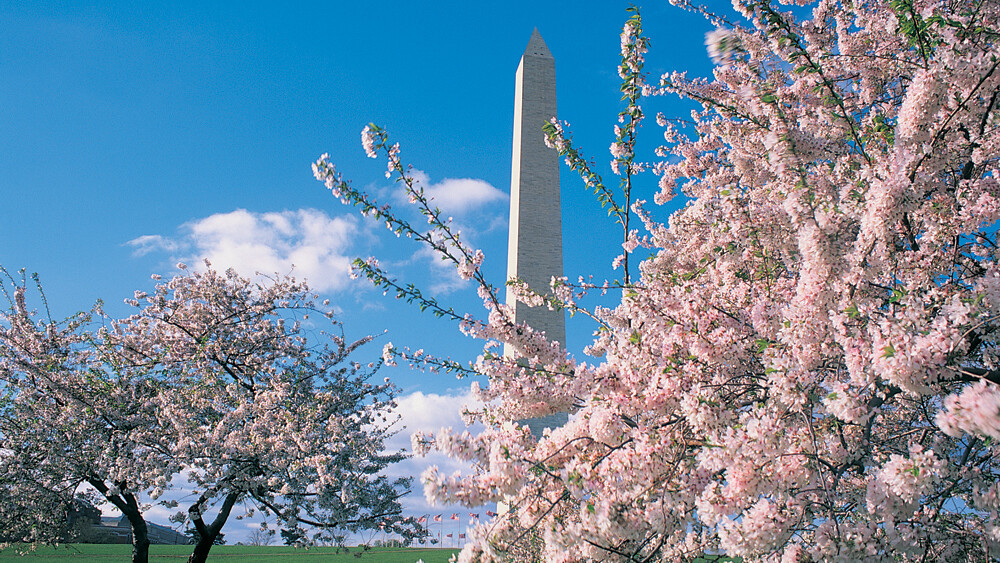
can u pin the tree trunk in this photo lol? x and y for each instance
(140, 540)
(140, 532)
(208, 533)
(127, 503)
(200, 553)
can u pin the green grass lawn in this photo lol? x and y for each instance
(94, 553)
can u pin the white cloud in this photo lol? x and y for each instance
(443, 277)
(149, 243)
(472, 207)
(307, 239)
(429, 412)
(459, 195)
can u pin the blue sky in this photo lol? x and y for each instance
(134, 135)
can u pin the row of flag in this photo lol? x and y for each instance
(440, 517)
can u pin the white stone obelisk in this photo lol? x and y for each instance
(534, 248)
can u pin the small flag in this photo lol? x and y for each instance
(421, 520)
(490, 513)
(454, 516)
(448, 535)
(437, 518)
(461, 536)
(475, 516)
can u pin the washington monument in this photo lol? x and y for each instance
(534, 248)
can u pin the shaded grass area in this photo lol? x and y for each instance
(96, 553)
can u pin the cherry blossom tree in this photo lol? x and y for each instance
(69, 420)
(245, 388)
(806, 368)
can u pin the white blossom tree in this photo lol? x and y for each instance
(806, 368)
(68, 419)
(215, 378)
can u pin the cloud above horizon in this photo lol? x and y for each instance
(305, 242)
(458, 195)
(473, 207)
(430, 412)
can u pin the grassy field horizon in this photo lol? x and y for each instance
(95, 553)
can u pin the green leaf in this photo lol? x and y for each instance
(897, 295)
